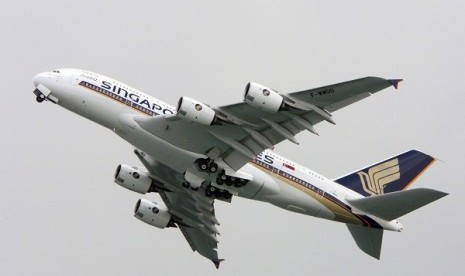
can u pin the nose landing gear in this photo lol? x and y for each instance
(39, 96)
(43, 93)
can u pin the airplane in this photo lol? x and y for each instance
(194, 154)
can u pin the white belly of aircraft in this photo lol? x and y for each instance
(267, 177)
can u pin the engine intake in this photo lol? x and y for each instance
(195, 111)
(133, 178)
(152, 213)
(263, 98)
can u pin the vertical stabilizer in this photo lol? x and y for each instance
(391, 175)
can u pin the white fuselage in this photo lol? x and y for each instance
(278, 180)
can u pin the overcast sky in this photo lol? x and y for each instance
(61, 213)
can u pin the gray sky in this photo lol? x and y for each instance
(61, 213)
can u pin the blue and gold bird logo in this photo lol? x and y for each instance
(379, 176)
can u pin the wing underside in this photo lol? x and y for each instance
(250, 131)
(193, 212)
(245, 133)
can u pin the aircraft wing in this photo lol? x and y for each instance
(191, 210)
(196, 213)
(250, 130)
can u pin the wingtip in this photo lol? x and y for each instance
(395, 82)
(217, 263)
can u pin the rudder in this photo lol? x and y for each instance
(393, 174)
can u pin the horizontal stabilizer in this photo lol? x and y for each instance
(369, 240)
(396, 204)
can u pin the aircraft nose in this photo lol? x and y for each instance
(39, 78)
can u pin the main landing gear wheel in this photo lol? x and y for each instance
(227, 195)
(220, 180)
(217, 193)
(213, 167)
(207, 165)
(203, 165)
(241, 182)
(230, 180)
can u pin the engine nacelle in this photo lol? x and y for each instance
(152, 213)
(133, 178)
(195, 111)
(263, 98)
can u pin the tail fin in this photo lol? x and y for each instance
(388, 176)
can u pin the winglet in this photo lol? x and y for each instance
(217, 263)
(395, 82)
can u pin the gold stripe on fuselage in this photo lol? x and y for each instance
(114, 98)
(342, 213)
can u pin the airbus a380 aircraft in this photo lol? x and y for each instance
(194, 154)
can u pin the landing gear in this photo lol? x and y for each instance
(230, 180)
(203, 165)
(207, 165)
(213, 168)
(40, 98)
(217, 193)
(221, 179)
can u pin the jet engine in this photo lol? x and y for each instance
(263, 98)
(152, 213)
(133, 178)
(195, 111)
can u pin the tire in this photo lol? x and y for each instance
(227, 195)
(213, 168)
(40, 98)
(243, 182)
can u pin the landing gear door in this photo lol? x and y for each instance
(74, 79)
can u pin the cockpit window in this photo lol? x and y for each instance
(56, 71)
